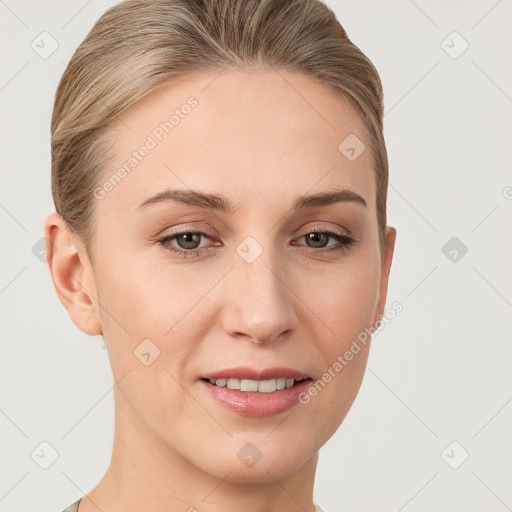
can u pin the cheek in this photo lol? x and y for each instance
(148, 300)
(345, 302)
(142, 308)
(136, 306)
(145, 299)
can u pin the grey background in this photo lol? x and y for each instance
(438, 373)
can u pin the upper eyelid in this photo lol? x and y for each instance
(211, 232)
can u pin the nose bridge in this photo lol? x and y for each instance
(260, 303)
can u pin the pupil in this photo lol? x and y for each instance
(314, 237)
(188, 238)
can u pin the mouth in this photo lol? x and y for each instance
(255, 386)
(257, 393)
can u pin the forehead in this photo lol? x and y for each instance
(242, 133)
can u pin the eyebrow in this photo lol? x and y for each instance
(220, 203)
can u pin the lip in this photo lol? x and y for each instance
(245, 372)
(253, 404)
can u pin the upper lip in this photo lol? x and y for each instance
(245, 372)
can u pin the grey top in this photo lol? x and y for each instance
(74, 507)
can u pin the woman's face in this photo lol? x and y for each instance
(251, 287)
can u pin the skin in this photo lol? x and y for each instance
(260, 138)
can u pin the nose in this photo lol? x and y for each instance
(259, 302)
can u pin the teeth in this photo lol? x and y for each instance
(280, 383)
(248, 385)
(267, 386)
(233, 384)
(261, 386)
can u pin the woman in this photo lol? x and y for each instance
(219, 174)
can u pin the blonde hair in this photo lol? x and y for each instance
(138, 45)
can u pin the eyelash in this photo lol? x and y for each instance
(345, 241)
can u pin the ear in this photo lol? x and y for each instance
(387, 258)
(72, 274)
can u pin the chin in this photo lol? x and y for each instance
(257, 458)
(261, 473)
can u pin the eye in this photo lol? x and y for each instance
(318, 240)
(188, 243)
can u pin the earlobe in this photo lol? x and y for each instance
(386, 261)
(72, 274)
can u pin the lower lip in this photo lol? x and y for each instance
(257, 404)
